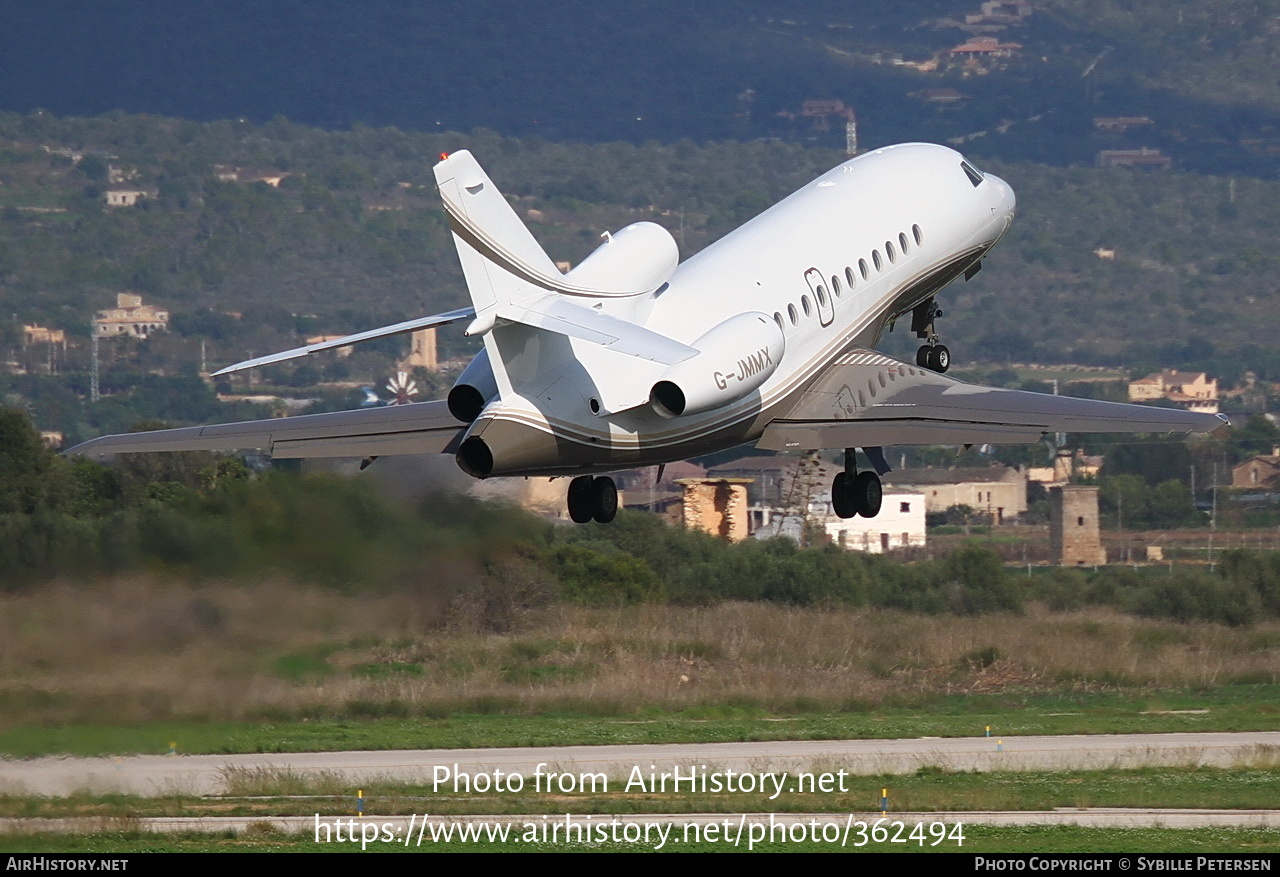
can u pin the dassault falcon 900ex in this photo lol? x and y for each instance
(634, 358)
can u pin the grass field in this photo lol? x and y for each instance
(138, 666)
(1228, 708)
(133, 666)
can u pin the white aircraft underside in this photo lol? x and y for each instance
(633, 358)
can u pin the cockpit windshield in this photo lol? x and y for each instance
(975, 176)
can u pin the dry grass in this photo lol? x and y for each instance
(135, 650)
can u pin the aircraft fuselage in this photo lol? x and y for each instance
(828, 268)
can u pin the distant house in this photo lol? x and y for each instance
(900, 524)
(997, 491)
(1140, 158)
(1194, 391)
(1262, 471)
(123, 197)
(985, 47)
(130, 317)
(821, 112)
(37, 334)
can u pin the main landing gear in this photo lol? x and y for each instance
(593, 497)
(932, 355)
(854, 492)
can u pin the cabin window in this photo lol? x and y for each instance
(791, 312)
(902, 242)
(918, 235)
(777, 318)
(835, 285)
(881, 377)
(871, 388)
(804, 303)
(822, 296)
(848, 276)
(862, 400)
(904, 507)
(862, 267)
(890, 251)
(875, 258)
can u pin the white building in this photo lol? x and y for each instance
(900, 524)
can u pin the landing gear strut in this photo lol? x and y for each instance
(593, 498)
(854, 492)
(931, 355)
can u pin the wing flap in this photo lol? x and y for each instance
(867, 399)
(418, 428)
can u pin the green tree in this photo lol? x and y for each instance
(32, 477)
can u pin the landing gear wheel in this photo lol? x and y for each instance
(939, 358)
(582, 499)
(867, 494)
(604, 499)
(922, 356)
(842, 496)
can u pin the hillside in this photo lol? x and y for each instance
(354, 234)
(1201, 73)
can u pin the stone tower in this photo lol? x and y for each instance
(423, 352)
(1074, 537)
(717, 506)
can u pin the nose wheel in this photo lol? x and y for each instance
(935, 357)
(932, 355)
(592, 498)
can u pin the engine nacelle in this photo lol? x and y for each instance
(734, 358)
(473, 389)
(637, 259)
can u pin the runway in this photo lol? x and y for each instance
(153, 775)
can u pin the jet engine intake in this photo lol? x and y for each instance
(635, 260)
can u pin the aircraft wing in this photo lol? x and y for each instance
(347, 340)
(866, 399)
(417, 428)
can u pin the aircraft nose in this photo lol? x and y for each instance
(1006, 202)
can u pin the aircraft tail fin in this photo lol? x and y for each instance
(499, 256)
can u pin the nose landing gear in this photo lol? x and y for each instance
(932, 355)
(593, 498)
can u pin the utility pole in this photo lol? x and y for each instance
(94, 394)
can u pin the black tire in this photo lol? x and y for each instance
(604, 499)
(842, 496)
(922, 356)
(867, 494)
(941, 358)
(581, 499)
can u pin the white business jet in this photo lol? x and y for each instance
(767, 336)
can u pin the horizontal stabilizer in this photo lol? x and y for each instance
(556, 314)
(867, 399)
(347, 340)
(418, 428)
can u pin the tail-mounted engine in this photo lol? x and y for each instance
(734, 358)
